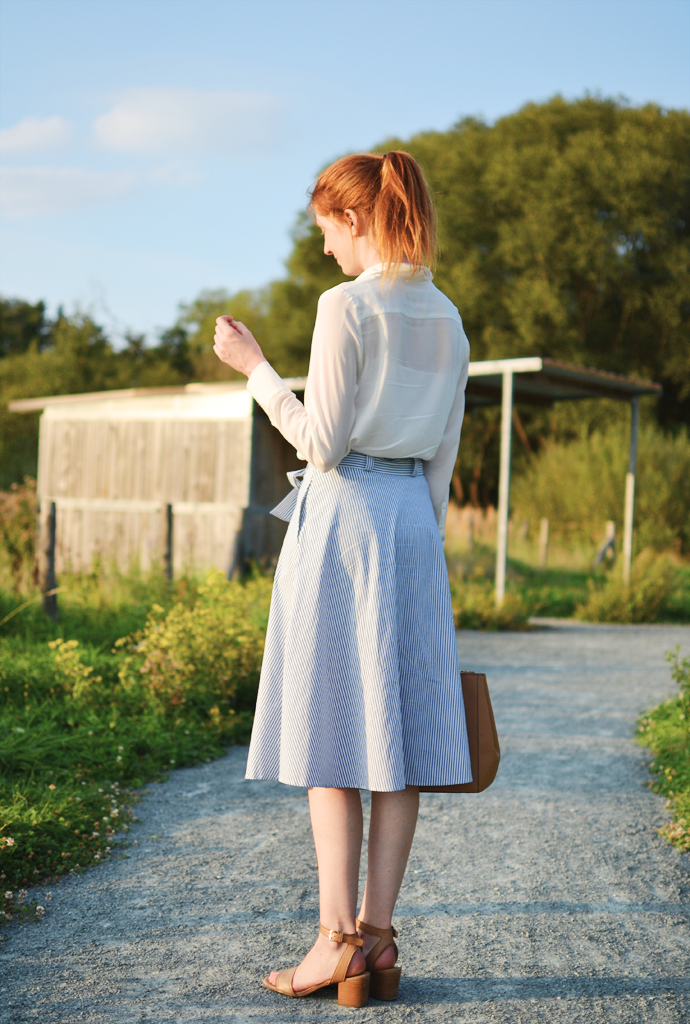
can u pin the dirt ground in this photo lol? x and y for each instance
(548, 898)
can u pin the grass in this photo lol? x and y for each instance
(118, 692)
(96, 608)
(567, 588)
(660, 592)
(665, 730)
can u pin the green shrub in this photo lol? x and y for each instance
(474, 607)
(18, 534)
(578, 485)
(82, 724)
(205, 658)
(643, 600)
(666, 731)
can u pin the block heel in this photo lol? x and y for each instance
(354, 991)
(385, 984)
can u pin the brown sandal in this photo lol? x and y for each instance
(352, 991)
(385, 983)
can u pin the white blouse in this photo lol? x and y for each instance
(387, 377)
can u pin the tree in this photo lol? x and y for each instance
(565, 233)
(22, 325)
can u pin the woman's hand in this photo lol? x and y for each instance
(236, 346)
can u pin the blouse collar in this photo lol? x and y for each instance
(378, 269)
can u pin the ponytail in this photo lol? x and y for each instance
(404, 218)
(391, 194)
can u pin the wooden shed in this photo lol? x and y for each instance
(182, 477)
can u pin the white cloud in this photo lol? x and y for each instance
(32, 134)
(37, 191)
(184, 120)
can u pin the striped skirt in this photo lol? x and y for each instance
(360, 684)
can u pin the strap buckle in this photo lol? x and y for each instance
(334, 936)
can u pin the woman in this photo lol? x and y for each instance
(360, 685)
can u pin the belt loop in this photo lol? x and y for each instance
(418, 468)
(369, 465)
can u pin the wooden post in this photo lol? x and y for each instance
(608, 548)
(169, 541)
(50, 604)
(611, 539)
(543, 542)
(630, 492)
(504, 486)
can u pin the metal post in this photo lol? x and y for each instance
(50, 605)
(630, 492)
(169, 541)
(504, 486)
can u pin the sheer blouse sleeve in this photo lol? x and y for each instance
(320, 429)
(439, 470)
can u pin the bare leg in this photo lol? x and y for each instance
(391, 831)
(336, 821)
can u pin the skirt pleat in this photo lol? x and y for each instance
(360, 683)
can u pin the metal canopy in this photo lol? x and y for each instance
(539, 381)
(545, 381)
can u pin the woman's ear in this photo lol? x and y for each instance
(355, 222)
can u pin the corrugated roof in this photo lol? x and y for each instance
(541, 381)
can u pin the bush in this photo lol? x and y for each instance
(474, 607)
(205, 658)
(666, 731)
(84, 723)
(643, 600)
(580, 484)
(18, 533)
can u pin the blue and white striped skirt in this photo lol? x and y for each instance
(360, 685)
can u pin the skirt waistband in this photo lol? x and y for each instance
(357, 460)
(375, 464)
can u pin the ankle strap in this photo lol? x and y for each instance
(370, 929)
(334, 936)
(385, 937)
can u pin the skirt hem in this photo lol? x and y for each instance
(357, 785)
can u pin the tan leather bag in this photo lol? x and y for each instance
(485, 752)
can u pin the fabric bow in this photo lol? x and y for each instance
(286, 507)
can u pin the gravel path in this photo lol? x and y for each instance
(548, 898)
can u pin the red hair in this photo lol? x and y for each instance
(390, 192)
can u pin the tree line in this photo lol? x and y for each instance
(564, 232)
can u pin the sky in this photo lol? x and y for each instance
(151, 149)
